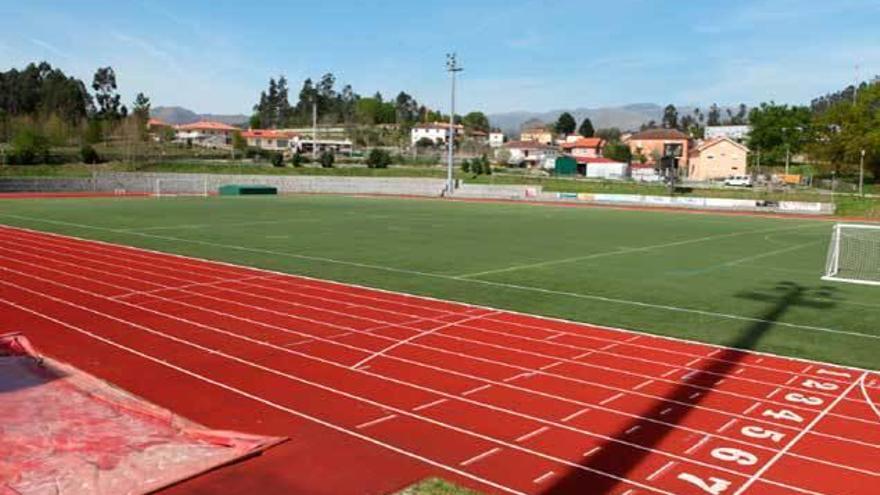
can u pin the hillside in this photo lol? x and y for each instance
(180, 115)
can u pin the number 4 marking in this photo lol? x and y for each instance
(714, 486)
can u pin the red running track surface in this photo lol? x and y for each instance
(378, 389)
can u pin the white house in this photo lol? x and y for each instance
(738, 133)
(438, 132)
(496, 139)
(530, 153)
(270, 139)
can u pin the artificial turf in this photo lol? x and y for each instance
(733, 280)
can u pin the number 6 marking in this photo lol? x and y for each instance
(730, 454)
(715, 486)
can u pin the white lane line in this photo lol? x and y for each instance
(665, 411)
(555, 336)
(632, 430)
(739, 371)
(611, 399)
(670, 372)
(269, 403)
(375, 421)
(716, 351)
(661, 470)
(791, 380)
(477, 389)
(299, 342)
(693, 362)
(190, 286)
(575, 414)
(591, 451)
(551, 365)
(352, 347)
(583, 355)
(693, 448)
(543, 477)
(479, 457)
(726, 425)
(759, 360)
(757, 475)
(531, 434)
(410, 339)
(517, 376)
(694, 395)
(643, 384)
(689, 375)
(751, 408)
(630, 339)
(806, 370)
(773, 392)
(609, 346)
(429, 404)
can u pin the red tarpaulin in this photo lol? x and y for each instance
(64, 431)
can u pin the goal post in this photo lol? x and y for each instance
(854, 254)
(190, 186)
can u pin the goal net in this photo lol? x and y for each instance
(854, 254)
(180, 187)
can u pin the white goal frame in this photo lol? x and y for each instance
(199, 187)
(832, 268)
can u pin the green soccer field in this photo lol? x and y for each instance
(733, 280)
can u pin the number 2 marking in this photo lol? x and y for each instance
(828, 386)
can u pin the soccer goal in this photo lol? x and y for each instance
(854, 254)
(180, 187)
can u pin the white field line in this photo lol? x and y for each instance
(375, 421)
(757, 475)
(272, 404)
(378, 404)
(525, 288)
(746, 259)
(626, 251)
(476, 389)
(407, 340)
(176, 301)
(868, 397)
(429, 404)
(531, 434)
(402, 325)
(355, 397)
(481, 456)
(575, 414)
(225, 224)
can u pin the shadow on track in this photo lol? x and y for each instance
(611, 458)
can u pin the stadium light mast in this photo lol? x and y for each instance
(452, 67)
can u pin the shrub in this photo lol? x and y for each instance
(476, 167)
(277, 160)
(466, 166)
(89, 155)
(327, 159)
(29, 147)
(378, 158)
(297, 160)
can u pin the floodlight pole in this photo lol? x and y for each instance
(451, 67)
(314, 130)
(862, 173)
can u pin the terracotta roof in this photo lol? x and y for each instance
(659, 134)
(268, 134)
(154, 122)
(583, 142)
(207, 125)
(437, 125)
(528, 145)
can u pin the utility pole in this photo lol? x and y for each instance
(787, 157)
(314, 130)
(451, 67)
(856, 85)
(862, 173)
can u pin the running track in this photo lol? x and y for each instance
(378, 389)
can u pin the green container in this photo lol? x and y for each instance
(242, 190)
(566, 165)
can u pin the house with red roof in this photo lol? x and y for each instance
(587, 147)
(206, 133)
(271, 139)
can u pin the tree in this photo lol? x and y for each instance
(297, 160)
(140, 110)
(378, 158)
(104, 85)
(425, 142)
(779, 129)
(714, 116)
(28, 147)
(670, 117)
(565, 124)
(586, 128)
(327, 159)
(239, 143)
(618, 151)
(476, 121)
(843, 129)
(406, 109)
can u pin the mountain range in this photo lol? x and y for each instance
(180, 115)
(624, 117)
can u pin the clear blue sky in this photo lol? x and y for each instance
(216, 56)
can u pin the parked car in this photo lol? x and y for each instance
(738, 181)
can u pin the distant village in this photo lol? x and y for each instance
(720, 154)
